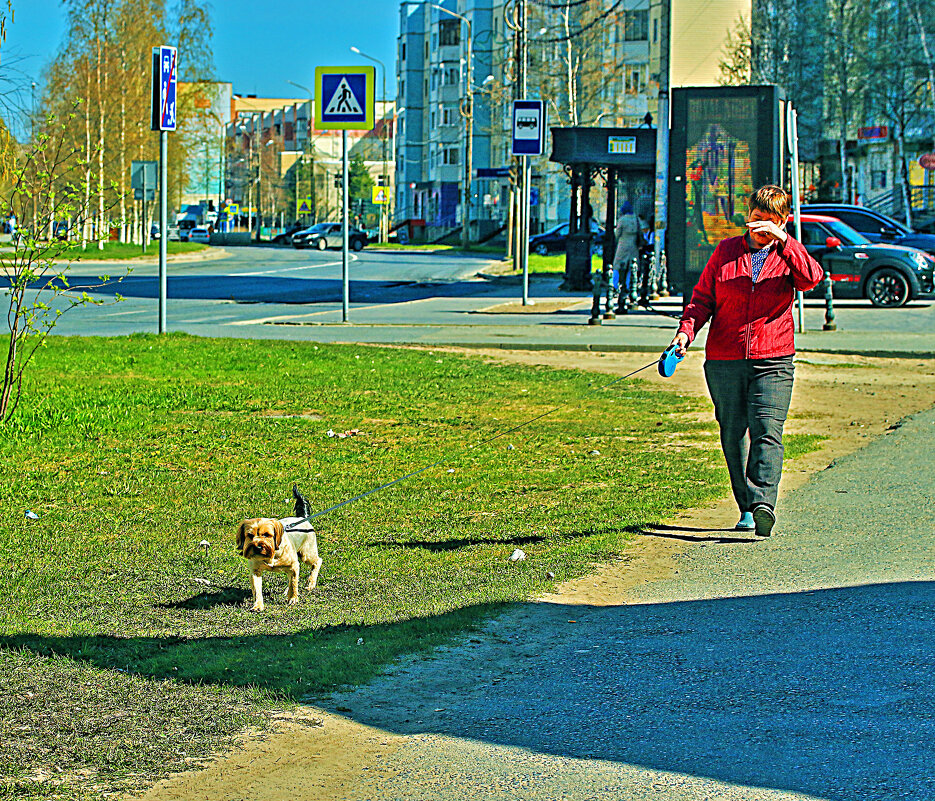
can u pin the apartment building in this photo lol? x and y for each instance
(593, 64)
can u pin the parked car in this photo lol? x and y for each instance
(202, 235)
(887, 275)
(553, 240)
(873, 225)
(329, 235)
(285, 238)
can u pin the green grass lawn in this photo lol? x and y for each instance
(122, 250)
(118, 629)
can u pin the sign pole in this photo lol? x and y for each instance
(163, 224)
(524, 239)
(793, 135)
(344, 273)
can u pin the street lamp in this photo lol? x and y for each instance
(384, 177)
(250, 134)
(467, 111)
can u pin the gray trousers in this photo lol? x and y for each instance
(751, 400)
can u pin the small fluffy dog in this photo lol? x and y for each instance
(269, 546)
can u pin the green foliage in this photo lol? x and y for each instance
(359, 178)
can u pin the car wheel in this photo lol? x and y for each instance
(887, 288)
(541, 250)
(321, 244)
(357, 245)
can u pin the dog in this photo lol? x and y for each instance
(270, 544)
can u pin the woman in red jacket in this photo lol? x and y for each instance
(747, 290)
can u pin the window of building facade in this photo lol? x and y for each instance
(450, 155)
(878, 179)
(452, 76)
(449, 32)
(402, 51)
(448, 117)
(634, 78)
(636, 25)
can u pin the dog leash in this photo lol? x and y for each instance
(665, 363)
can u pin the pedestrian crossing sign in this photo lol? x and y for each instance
(344, 98)
(303, 205)
(380, 195)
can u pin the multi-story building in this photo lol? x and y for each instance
(280, 164)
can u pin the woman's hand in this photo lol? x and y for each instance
(680, 342)
(764, 230)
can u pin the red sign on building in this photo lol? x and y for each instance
(874, 132)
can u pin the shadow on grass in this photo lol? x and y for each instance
(307, 663)
(224, 596)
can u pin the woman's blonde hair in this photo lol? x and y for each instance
(770, 199)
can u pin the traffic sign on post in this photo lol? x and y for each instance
(345, 98)
(379, 195)
(528, 127)
(165, 80)
(303, 205)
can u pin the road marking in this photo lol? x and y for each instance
(351, 256)
(279, 318)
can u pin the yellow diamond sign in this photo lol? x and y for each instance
(380, 194)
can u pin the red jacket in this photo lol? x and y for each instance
(749, 321)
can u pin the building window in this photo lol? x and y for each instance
(878, 179)
(634, 78)
(449, 32)
(452, 76)
(448, 117)
(636, 25)
(450, 155)
(402, 51)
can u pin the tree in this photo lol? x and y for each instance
(736, 64)
(360, 182)
(48, 189)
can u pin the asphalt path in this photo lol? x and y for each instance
(798, 667)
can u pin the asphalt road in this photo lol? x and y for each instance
(281, 293)
(798, 667)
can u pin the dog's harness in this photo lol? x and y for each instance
(666, 366)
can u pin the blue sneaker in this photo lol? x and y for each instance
(745, 523)
(764, 519)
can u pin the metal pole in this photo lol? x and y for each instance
(525, 164)
(662, 144)
(468, 148)
(524, 245)
(793, 136)
(344, 274)
(163, 223)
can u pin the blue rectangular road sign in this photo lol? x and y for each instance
(344, 98)
(165, 81)
(528, 127)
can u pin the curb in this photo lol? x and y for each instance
(210, 254)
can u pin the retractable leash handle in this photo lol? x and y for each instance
(669, 360)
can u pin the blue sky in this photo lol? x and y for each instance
(258, 46)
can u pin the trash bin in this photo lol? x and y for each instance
(577, 263)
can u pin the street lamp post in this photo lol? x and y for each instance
(467, 111)
(384, 177)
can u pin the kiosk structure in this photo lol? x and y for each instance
(624, 160)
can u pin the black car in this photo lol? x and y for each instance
(325, 235)
(887, 275)
(873, 225)
(553, 240)
(285, 238)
